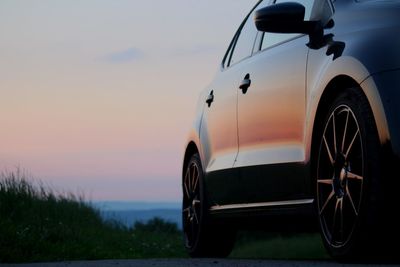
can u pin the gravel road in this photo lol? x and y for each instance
(193, 263)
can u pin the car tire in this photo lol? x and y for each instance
(348, 187)
(203, 236)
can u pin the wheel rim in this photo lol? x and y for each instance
(340, 176)
(191, 209)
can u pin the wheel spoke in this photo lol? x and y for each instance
(188, 217)
(345, 130)
(196, 182)
(193, 177)
(185, 184)
(195, 216)
(186, 210)
(334, 132)
(351, 200)
(334, 218)
(326, 202)
(341, 219)
(192, 171)
(325, 181)
(328, 150)
(351, 144)
(351, 175)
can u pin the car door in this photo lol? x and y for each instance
(271, 115)
(218, 133)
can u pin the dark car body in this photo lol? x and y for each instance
(258, 145)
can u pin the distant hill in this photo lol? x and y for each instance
(129, 217)
(135, 205)
(130, 212)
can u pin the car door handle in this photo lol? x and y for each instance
(245, 84)
(210, 98)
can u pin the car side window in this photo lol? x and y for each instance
(271, 39)
(228, 54)
(246, 39)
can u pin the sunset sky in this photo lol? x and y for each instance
(97, 96)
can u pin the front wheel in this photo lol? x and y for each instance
(203, 236)
(347, 182)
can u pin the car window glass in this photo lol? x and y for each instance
(245, 43)
(271, 39)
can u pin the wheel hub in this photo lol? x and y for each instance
(340, 175)
(191, 209)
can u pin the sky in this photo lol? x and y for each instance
(97, 96)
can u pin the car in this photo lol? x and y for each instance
(300, 128)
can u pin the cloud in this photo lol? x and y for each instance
(129, 55)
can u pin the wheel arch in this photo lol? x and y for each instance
(333, 89)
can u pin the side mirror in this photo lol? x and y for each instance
(283, 18)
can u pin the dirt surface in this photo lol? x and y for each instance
(192, 263)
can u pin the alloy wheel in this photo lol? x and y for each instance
(340, 176)
(191, 204)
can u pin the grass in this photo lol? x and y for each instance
(38, 225)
